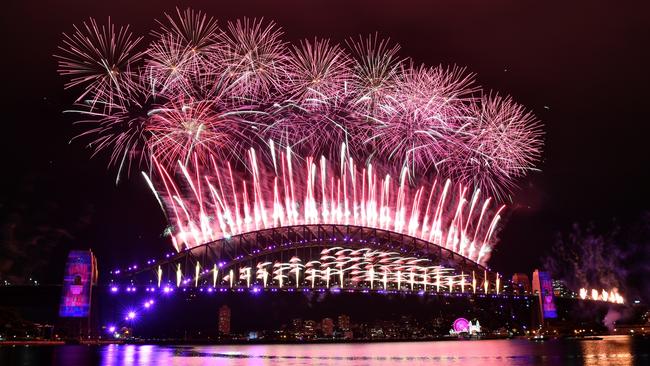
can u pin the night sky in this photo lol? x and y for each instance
(582, 68)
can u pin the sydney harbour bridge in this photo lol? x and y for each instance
(304, 257)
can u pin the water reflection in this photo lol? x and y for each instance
(616, 351)
(610, 351)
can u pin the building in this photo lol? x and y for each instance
(344, 322)
(296, 325)
(224, 320)
(309, 329)
(327, 326)
(521, 284)
(560, 289)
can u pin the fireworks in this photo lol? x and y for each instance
(342, 268)
(103, 61)
(254, 58)
(198, 96)
(207, 204)
(612, 296)
(317, 72)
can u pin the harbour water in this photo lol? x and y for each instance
(612, 350)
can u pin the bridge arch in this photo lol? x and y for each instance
(227, 257)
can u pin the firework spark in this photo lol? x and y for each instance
(340, 267)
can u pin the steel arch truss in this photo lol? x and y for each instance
(220, 263)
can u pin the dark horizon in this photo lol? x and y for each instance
(581, 68)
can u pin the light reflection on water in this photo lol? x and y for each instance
(610, 351)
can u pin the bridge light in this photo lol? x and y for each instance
(485, 282)
(498, 281)
(215, 274)
(399, 280)
(197, 271)
(179, 275)
(462, 282)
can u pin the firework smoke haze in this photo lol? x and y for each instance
(198, 96)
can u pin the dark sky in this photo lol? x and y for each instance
(586, 61)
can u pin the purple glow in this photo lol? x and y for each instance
(113, 288)
(111, 329)
(461, 325)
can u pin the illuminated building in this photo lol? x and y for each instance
(520, 283)
(309, 328)
(327, 326)
(344, 322)
(224, 320)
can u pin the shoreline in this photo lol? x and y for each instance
(209, 342)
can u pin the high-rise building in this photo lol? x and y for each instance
(309, 329)
(344, 322)
(224, 320)
(296, 324)
(521, 283)
(327, 325)
(561, 290)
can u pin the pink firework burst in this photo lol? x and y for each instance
(185, 128)
(195, 32)
(253, 58)
(504, 143)
(102, 60)
(423, 117)
(194, 29)
(317, 72)
(170, 67)
(447, 86)
(375, 71)
(198, 91)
